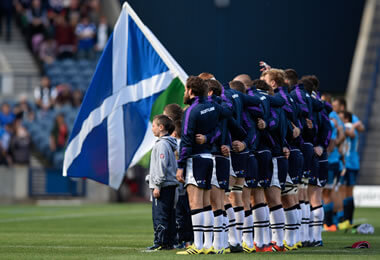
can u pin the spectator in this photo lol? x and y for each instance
(5, 137)
(20, 144)
(73, 13)
(48, 51)
(37, 20)
(44, 95)
(59, 134)
(65, 37)
(21, 6)
(102, 34)
(6, 12)
(6, 115)
(85, 32)
(77, 98)
(64, 95)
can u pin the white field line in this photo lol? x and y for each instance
(70, 247)
(67, 216)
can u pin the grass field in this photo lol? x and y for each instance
(122, 231)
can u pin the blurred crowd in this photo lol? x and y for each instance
(62, 28)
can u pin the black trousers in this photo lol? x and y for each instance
(183, 220)
(163, 214)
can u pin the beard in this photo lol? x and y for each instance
(186, 98)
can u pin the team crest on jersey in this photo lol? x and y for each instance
(263, 98)
(235, 96)
(162, 156)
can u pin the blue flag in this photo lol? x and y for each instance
(113, 130)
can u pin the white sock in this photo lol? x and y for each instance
(208, 227)
(290, 225)
(232, 232)
(218, 230)
(239, 215)
(268, 237)
(299, 221)
(309, 230)
(277, 223)
(225, 233)
(268, 232)
(317, 223)
(248, 228)
(260, 224)
(197, 219)
(303, 222)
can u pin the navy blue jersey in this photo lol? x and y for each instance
(238, 101)
(323, 122)
(293, 114)
(202, 117)
(305, 104)
(264, 139)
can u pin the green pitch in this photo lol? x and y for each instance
(123, 231)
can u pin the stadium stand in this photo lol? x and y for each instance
(363, 93)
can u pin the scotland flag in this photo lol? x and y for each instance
(134, 79)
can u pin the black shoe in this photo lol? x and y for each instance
(236, 249)
(317, 244)
(154, 247)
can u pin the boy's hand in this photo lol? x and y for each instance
(225, 150)
(179, 176)
(200, 139)
(156, 193)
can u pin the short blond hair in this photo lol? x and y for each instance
(277, 75)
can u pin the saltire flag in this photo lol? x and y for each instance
(133, 81)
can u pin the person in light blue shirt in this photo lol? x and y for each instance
(352, 166)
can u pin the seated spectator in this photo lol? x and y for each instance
(48, 51)
(59, 134)
(5, 137)
(64, 37)
(44, 94)
(77, 98)
(102, 34)
(37, 20)
(6, 115)
(85, 32)
(23, 110)
(20, 144)
(64, 95)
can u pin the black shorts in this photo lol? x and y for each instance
(239, 163)
(307, 150)
(323, 169)
(222, 171)
(252, 173)
(314, 173)
(199, 171)
(265, 168)
(295, 162)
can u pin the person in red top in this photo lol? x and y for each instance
(59, 134)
